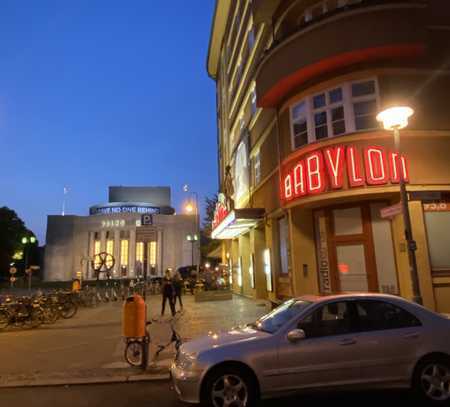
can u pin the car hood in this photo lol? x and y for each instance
(218, 339)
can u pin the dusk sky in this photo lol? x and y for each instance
(103, 92)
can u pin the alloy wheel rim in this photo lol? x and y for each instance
(435, 381)
(229, 391)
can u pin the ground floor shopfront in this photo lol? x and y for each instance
(337, 240)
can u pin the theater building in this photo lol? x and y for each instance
(137, 227)
(310, 178)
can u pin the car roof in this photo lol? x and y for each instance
(348, 296)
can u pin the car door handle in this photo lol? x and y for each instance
(413, 335)
(347, 342)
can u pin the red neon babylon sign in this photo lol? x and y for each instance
(338, 167)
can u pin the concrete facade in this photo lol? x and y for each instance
(72, 243)
(297, 78)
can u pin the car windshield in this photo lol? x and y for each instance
(275, 319)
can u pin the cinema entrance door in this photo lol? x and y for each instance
(355, 249)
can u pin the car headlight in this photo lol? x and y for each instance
(186, 361)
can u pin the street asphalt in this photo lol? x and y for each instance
(90, 346)
(160, 394)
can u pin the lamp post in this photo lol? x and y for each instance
(27, 241)
(192, 208)
(394, 119)
(192, 239)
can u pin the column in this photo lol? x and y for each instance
(116, 270)
(90, 256)
(132, 254)
(159, 254)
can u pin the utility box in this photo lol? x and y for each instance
(134, 317)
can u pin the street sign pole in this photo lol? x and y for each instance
(412, 246)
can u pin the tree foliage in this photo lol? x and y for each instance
(208, 244)
(12, 230)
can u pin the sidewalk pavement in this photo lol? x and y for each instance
(90, 349)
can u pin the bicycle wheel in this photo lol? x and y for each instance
(4, 319)
(69, 309)
(50, 315)
(134, 353)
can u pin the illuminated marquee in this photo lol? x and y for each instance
(220, 212)
(338, 167)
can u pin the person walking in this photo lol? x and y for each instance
(178, 287)
(168, 293)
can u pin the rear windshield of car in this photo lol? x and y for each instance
(275, 319)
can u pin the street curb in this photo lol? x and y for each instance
(83, 381)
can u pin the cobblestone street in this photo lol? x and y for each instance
(91, 345)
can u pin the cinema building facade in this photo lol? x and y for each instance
(138, 230)
(315, 176)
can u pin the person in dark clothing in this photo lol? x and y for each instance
(168, 293)
(178, 286)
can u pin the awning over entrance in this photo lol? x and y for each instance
(237, 222)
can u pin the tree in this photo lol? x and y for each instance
(12, 230)
(208, 244)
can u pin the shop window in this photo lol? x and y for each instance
(283, 245)
(124, 253)
(97, 250)
(268, 270)
(347, 221)
(341, 110)
(352, 268)
(239, 272)
(251, 271)
(437, 222)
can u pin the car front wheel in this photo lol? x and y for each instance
(230, 387)
(432, 381)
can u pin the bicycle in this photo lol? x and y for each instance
(137, 349)
(175, 338)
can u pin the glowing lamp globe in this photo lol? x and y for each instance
(395, 117)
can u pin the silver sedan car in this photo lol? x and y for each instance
(334, 342)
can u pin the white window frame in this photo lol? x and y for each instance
(347, 102)
(257, 168)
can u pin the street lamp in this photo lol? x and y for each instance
(27, 241)
(394, 119)
(192, 208)
(192, 239)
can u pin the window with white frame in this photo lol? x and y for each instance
(324, 7)
(251, 39)
(257, 168)
(253, 106)
(340, 110)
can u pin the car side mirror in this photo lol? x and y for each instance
(296, 335)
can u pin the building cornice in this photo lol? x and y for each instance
(218, 27)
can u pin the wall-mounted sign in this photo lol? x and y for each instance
(389, 212)
(436, 207)
(221, 211)
(113, 223)
(338, 167)
(241, 172)
(109, 209)
(147, 219)
(323, 262)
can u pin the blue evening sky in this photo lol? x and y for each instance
(103, 92)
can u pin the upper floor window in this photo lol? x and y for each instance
(253, 107)
(326, 6)
(340, 110)
(251, 38)
(257, 168)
